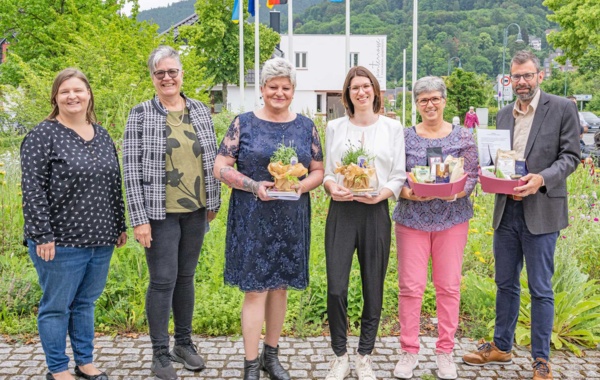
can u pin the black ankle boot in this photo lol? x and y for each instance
(269, 362)
(251, 369)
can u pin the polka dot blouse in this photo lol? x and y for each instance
(71, 187)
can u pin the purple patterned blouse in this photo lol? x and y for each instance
(438, 215)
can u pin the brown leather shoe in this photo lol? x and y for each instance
(487, 353)
(541, 370)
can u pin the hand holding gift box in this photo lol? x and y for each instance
(505, 175)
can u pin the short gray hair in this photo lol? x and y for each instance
(277, 68)
(523, 56)
(429, 84)
(160, 53)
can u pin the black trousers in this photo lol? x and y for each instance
(172, 259)
(366, 229)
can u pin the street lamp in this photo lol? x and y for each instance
(519, 40)
(450, 62)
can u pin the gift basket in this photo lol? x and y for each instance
(357, 172)
(286, 171)
(505, 175)
(441, 178)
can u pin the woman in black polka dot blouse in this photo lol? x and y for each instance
(74, 216)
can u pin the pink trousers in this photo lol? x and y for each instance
(414, 248)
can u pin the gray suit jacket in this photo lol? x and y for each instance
(552, 151)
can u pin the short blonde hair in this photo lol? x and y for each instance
(277, 68)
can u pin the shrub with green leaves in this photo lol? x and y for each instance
(576, 308)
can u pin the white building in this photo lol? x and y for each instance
(535, 43)
(321, 70)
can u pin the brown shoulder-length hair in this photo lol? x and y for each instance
(360, 71)
(64, 75)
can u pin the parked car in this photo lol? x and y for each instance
(592, 120)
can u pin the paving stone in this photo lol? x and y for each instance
(129, 359)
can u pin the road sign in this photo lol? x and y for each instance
(585, 98)
(504, 93)
(505, 80)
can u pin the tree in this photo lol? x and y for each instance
(580, 27)
(91, 35)
(466, 89)
(215, 41)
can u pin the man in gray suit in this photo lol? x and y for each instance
(545, 131)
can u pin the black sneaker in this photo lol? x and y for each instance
(161, 365)
(187, 354)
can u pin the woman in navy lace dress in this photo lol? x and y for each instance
(268, 240)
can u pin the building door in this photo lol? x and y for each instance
(335, 108)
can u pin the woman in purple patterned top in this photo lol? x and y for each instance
(432, 227)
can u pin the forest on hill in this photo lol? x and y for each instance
(471, 30)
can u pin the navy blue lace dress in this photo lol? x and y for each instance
(267, 242)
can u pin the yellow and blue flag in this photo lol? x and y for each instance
(236, 10)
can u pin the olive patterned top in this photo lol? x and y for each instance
(185, 190)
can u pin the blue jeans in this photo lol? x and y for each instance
(71, 283)
(512, 243)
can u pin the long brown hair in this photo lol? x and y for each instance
(360, 71)
(65, 75)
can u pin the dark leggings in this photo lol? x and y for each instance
(354, 226)
(172, 260)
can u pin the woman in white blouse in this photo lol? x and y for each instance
(360, 221)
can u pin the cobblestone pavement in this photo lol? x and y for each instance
(129, 359)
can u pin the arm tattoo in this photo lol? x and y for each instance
(237, 180)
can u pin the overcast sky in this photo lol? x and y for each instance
(149, 4)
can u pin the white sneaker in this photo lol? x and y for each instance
(405, 366)
(446, 366)
(339, 368)
(363, 368)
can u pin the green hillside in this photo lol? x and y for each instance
(471, 30)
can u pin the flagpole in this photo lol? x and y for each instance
(241, 48)
(414, 58)
(348, 64)
(256, 55)
(404, 87)
(290, 32)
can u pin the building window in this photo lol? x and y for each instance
(319, 97)
(353, 59)
(301, 60)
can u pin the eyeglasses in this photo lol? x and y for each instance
(365, 87)
(160, 74)
(527, 76)
(435, 101)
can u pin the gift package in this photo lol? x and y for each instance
(505, 175)
(357, 171)
(285, 168)
(440, 178)
(438, 171)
